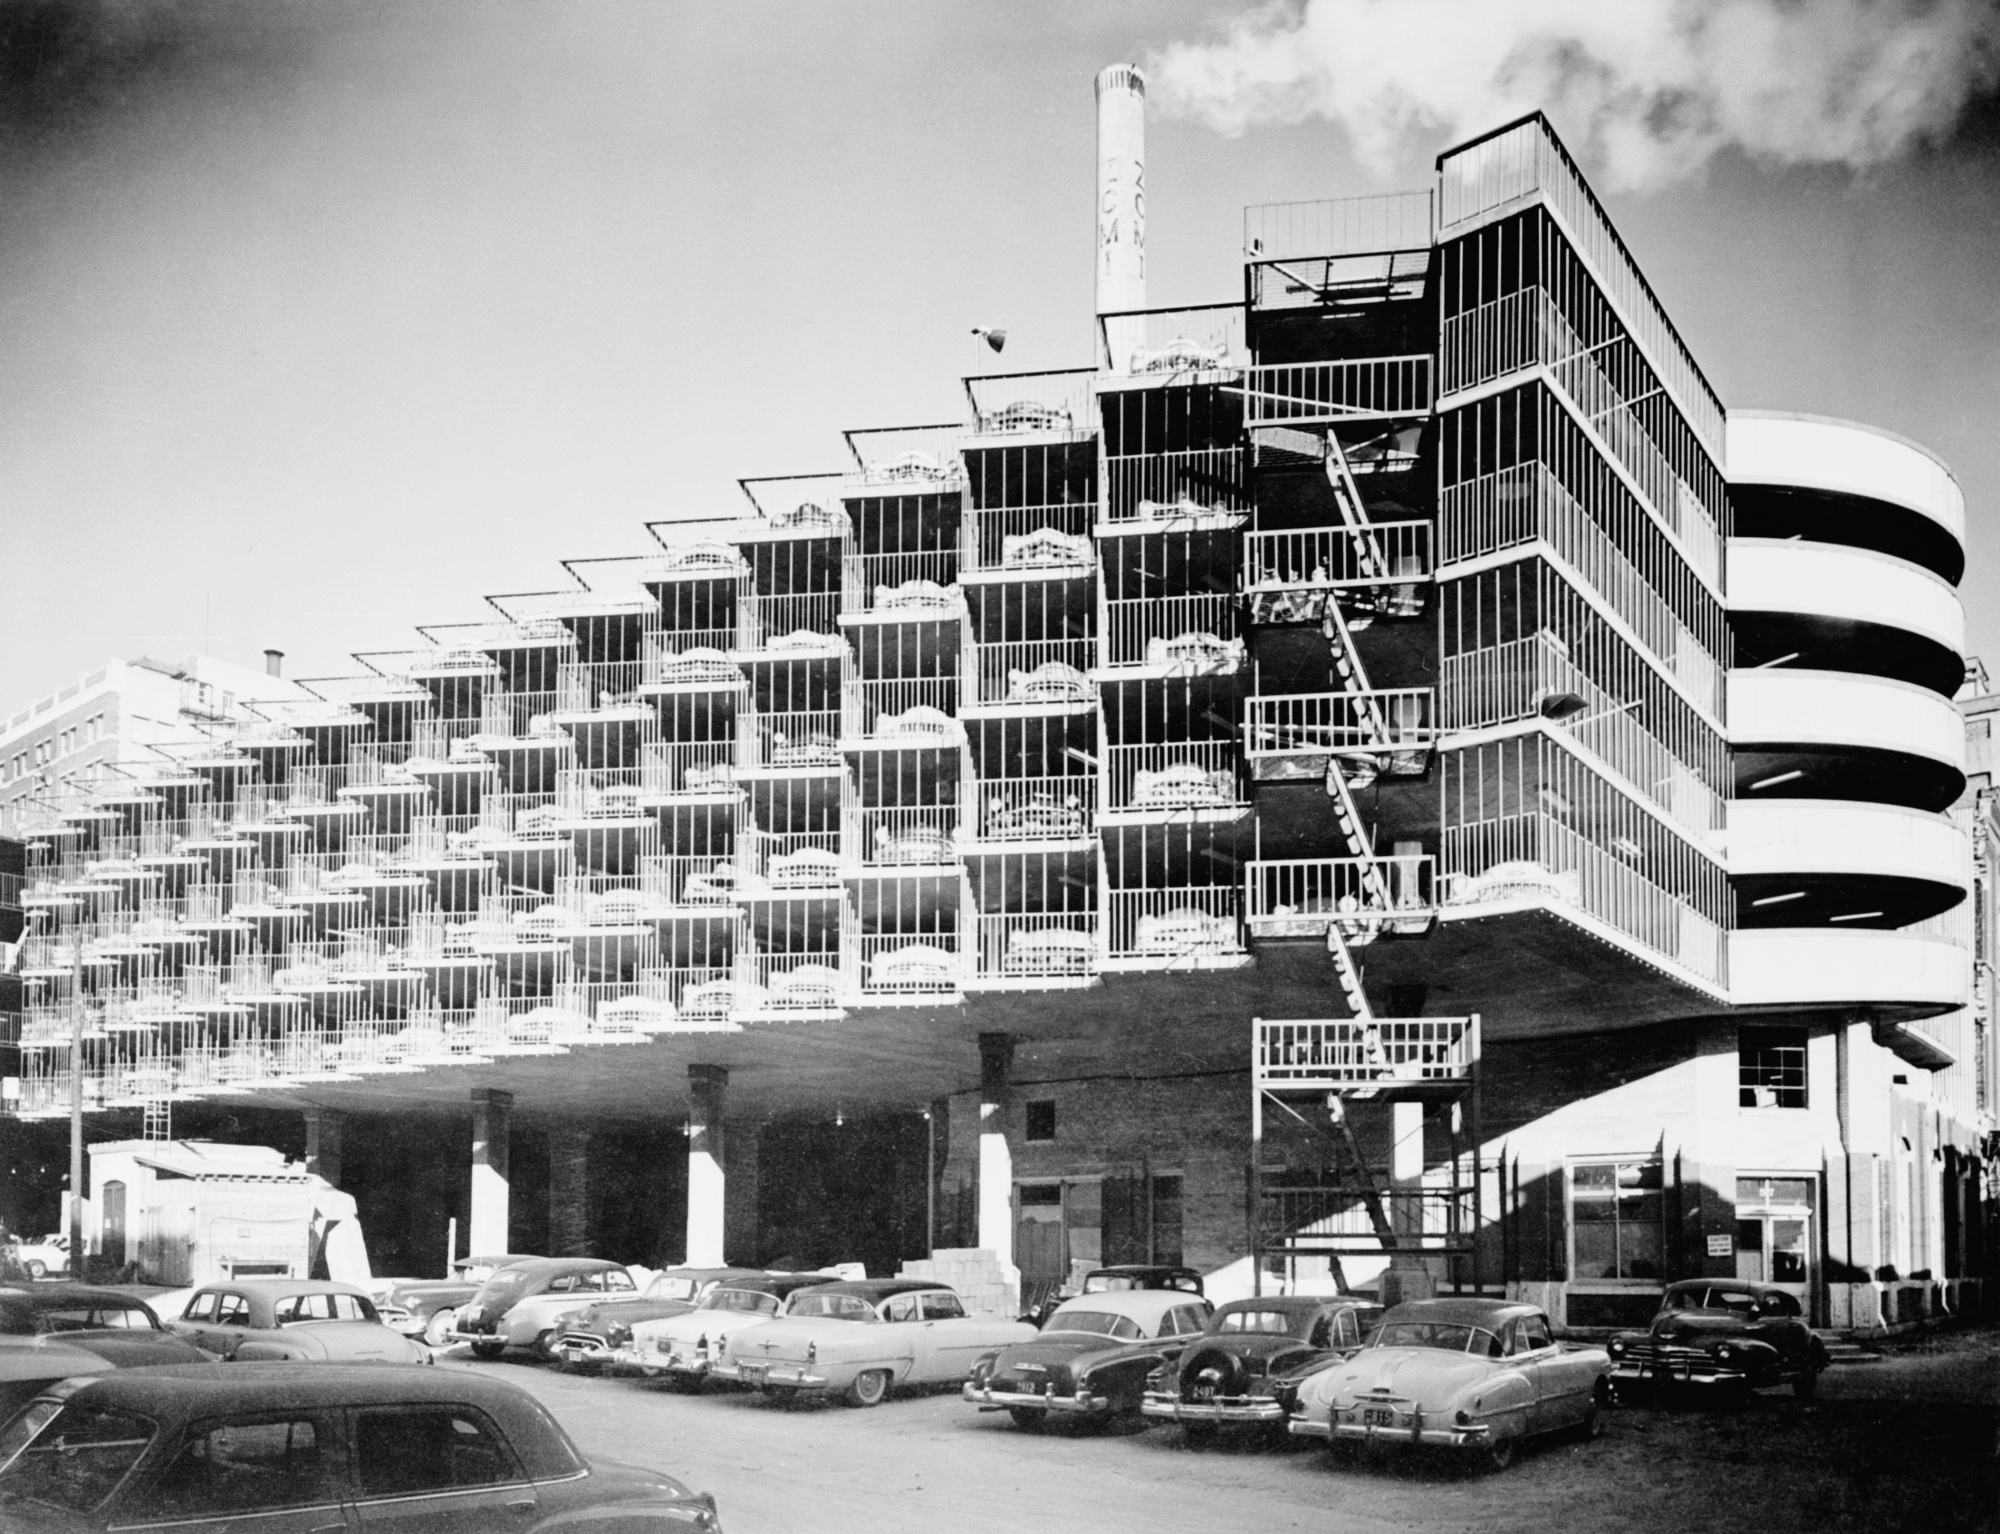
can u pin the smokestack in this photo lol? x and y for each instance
(1121, 188)
(274, 662)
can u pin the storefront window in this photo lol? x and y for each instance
(1616, 1210)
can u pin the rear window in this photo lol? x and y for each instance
(840, 1307)
(747, 1300)
(70, 1456)
(1100, 1323)
(97, 1318)
(294, 1308)
(672, 1286)
(1275, 1323)
(502, 1289)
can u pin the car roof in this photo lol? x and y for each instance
(537, 1267)
(702, 1273)
(48, 1296)
(1688, 1285)
(1296, 1304)
(1143, 1270)
(1461, 1311)
(776, 1283)
(190, 1389)
(273, 1287)
(874, 1289)
(1140, 1304)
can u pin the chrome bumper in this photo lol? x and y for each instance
(694, 1365)
(1453, 1437)
(1166, 1408)
(582, 1348)
(785, 1376)
(1674, 1369)
(986, 1398)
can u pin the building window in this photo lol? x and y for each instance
(1163, 1218)
(1041, 1121)
(1617, 1210)
(1771, 1067)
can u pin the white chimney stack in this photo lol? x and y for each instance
(1121, 188)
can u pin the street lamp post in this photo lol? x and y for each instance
(76, 1106)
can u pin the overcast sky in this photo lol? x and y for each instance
(319, 321)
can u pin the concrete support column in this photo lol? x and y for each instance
(1409, 1276)
(490, 1111)
(570, 1193)
(707, 1227)
(996, 1162)
(739, 1210)
(323, 1132)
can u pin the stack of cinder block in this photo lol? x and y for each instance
(986, 1284)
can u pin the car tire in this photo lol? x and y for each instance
(870, 1388)
(488, 1349)
(438, 1328)
(1198, 1435)
(1029, 1419)
(1592, 1425)
(544, 1348)
(1499, 1454)
(37, 1268)
(1806, 1386)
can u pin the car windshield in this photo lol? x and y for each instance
(1444, 1337)
(672, 1286)
(838, 1307)
(741, 1299)
(1739, 1300)
(1274, 1322)
(1101, 1322)
(94, 1318)
(69, 1455)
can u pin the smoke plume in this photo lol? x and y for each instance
(1650, 89)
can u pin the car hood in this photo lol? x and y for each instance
(1690, 1325)
(1429, 1376)
(596, 1318)
(136, 1349)
(1261, 1346)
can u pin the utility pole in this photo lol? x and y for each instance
(76, 1105)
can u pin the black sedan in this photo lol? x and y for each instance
(1092, 1359)
(1724, 1335)
(113, 1325)
(291, 1447)
(1247, 1366)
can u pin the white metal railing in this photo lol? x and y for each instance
(1533, 856)
(1362, 388)
(1331, 1054)
(689, 766)
(888, 966)
(1040, 671)
(1517, 505)
(1177, 777)
(1275, 231)
(1034, 809)
(902, 836)
(1009, 404)
(1306, 559)
(1513, 681)
(876, 708)
(1482, 180)
(1172, 345)
(1278, 890)
(1139, 633)
(586, 684)
(518, 714)
(760, 620)
(1036, 950)
(1317, 723)
(988, 528)
(872, 581)
(1170, 927)
(794, 738)
(1139, 486)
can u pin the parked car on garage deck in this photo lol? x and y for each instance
(1118, 1278)
(860, 1339)
(41, 1257)
(523, 1306)
(122, 1331)
(298, 1319)
(593, 1336)
(1248, 1364)
(1476, 1375)
(282, 1447)
(1091, 1358)
(682, 1347)
(1724, 1334)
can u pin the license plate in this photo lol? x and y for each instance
(755, 1373)
(1377, 1416)
(574, 1355)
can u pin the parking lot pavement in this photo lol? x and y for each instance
(919, 1464)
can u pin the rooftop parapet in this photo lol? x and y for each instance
(1338, 226)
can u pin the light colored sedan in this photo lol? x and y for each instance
(299, 1319)
(684, 1347)
(525, 1305)
(860, 1339)
(1480, 1376)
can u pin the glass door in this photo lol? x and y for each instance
(1774, 1234)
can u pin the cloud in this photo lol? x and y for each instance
(1650, 89)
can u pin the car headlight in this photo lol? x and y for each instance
(1727, 1352)
(1617, 1346)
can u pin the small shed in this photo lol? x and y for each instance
(194, 1212)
